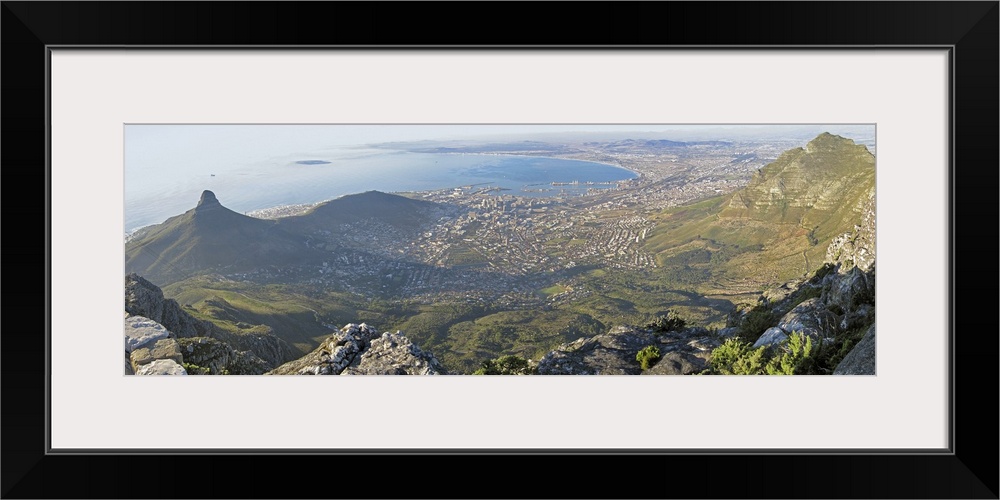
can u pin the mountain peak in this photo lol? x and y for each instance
(208, 200)
(828, 142)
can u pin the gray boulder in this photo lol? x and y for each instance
(811, 318)
(861, 359)
(161, 349)
(141, 331)
(612, 353)
(771, 336)
(851, 289)
(679, 363)
(161, 367)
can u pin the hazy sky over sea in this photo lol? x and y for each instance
(170, 164)
(202, 140)
(152, 152)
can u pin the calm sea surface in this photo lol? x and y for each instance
(153, 196)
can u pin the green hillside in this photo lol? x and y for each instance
(774, 229)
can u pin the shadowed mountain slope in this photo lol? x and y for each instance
(211, 238)
(397, 212)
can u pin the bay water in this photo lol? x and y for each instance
(153, 195)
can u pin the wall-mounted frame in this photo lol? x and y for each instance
(964, 34)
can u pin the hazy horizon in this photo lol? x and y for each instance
(169, 164)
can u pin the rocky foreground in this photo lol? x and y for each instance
(614, 353)
(162, 339)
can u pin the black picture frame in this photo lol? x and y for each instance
(969, 470)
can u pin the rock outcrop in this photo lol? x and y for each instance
(614, 353)
(394, 354)
(143, 298)
(857, 247)
(148, 342)
(219, 358)
(362, 350)
(861, 359)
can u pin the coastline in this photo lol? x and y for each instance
(638, 174)
(290, 210)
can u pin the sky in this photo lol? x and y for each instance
(152, 151)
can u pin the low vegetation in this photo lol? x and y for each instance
(193, 369)
(798, 355)
(670, 322)
(648, 356)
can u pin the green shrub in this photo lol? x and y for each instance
(813, 240)
(735, 357)
(796, 356)
(793, 357)
(647, 356)
(670, 322)
(506, 365)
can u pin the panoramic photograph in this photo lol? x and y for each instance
(483, 249)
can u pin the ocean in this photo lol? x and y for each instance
(153, 195)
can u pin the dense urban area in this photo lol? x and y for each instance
(487, 246)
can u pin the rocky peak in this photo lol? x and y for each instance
(359, 349)
(828, 142)
(207, 201)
